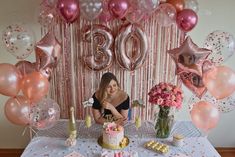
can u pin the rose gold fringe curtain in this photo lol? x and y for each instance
(72, 82)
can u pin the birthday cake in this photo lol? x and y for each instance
(113, 136)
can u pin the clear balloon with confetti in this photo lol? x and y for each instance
(222, 45)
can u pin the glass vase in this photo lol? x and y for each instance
(164, 122)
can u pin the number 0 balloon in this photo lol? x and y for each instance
(123, 59)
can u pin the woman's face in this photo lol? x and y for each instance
(112, 88)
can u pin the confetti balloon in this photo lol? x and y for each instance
(18, 40)
(45, 114)
(222, 45)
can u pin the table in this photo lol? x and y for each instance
(50, 143)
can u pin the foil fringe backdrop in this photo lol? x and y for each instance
(71, 82)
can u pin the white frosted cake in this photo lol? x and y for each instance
(113, 135)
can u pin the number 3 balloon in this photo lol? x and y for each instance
(139, 36)
(101, 57)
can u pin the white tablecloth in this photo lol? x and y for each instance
(50, 143)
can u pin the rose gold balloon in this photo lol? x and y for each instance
(25, 67)
(102, 56)
(140, 45)
(194, 83)
(178, 4)
(48, 51)
(17, 110)
(205, 115)
(10, 78)
(35, 86)
(189, 57)
(220, 81)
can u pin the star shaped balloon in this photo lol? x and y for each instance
(48, 51)
(189, 57)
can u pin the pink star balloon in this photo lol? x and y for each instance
(189, 57)
(48, 51)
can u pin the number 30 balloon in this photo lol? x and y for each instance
(124, 60)
(101, 57)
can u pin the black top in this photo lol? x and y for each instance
(123, 106)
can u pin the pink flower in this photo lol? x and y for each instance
(159, 101)
(166, 94)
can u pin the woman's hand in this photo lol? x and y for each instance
(107, 105)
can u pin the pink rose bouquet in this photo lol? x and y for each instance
(166, 96)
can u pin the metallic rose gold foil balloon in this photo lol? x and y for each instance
(35, 86)
(118, 8)
(10, 79)
(186, 20)
(178, 4)
(25, 67)
(194, 83)
(48, 51)
(90, 9)
(220, 81)
(189, 57)
(17, 110)
(45, 114)
(204, 115)
(68, 10)
(140, 51)
(102, 56)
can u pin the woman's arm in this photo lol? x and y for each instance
(98, 117)
(124, 113)
(113, 110)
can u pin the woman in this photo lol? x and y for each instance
(110, 102)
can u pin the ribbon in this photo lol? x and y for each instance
(88, 103)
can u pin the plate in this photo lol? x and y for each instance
(103, 145)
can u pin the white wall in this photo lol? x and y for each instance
(213, 15)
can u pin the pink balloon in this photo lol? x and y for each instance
(166, 14)
(220, 81)
(45, 114)
(17, 110)
(135, 14)
(186, 20)
(105, 15)
(205, 115)
(35, 86)
(25, 67)
(118, 8)
(10, 78)
(68, 10)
